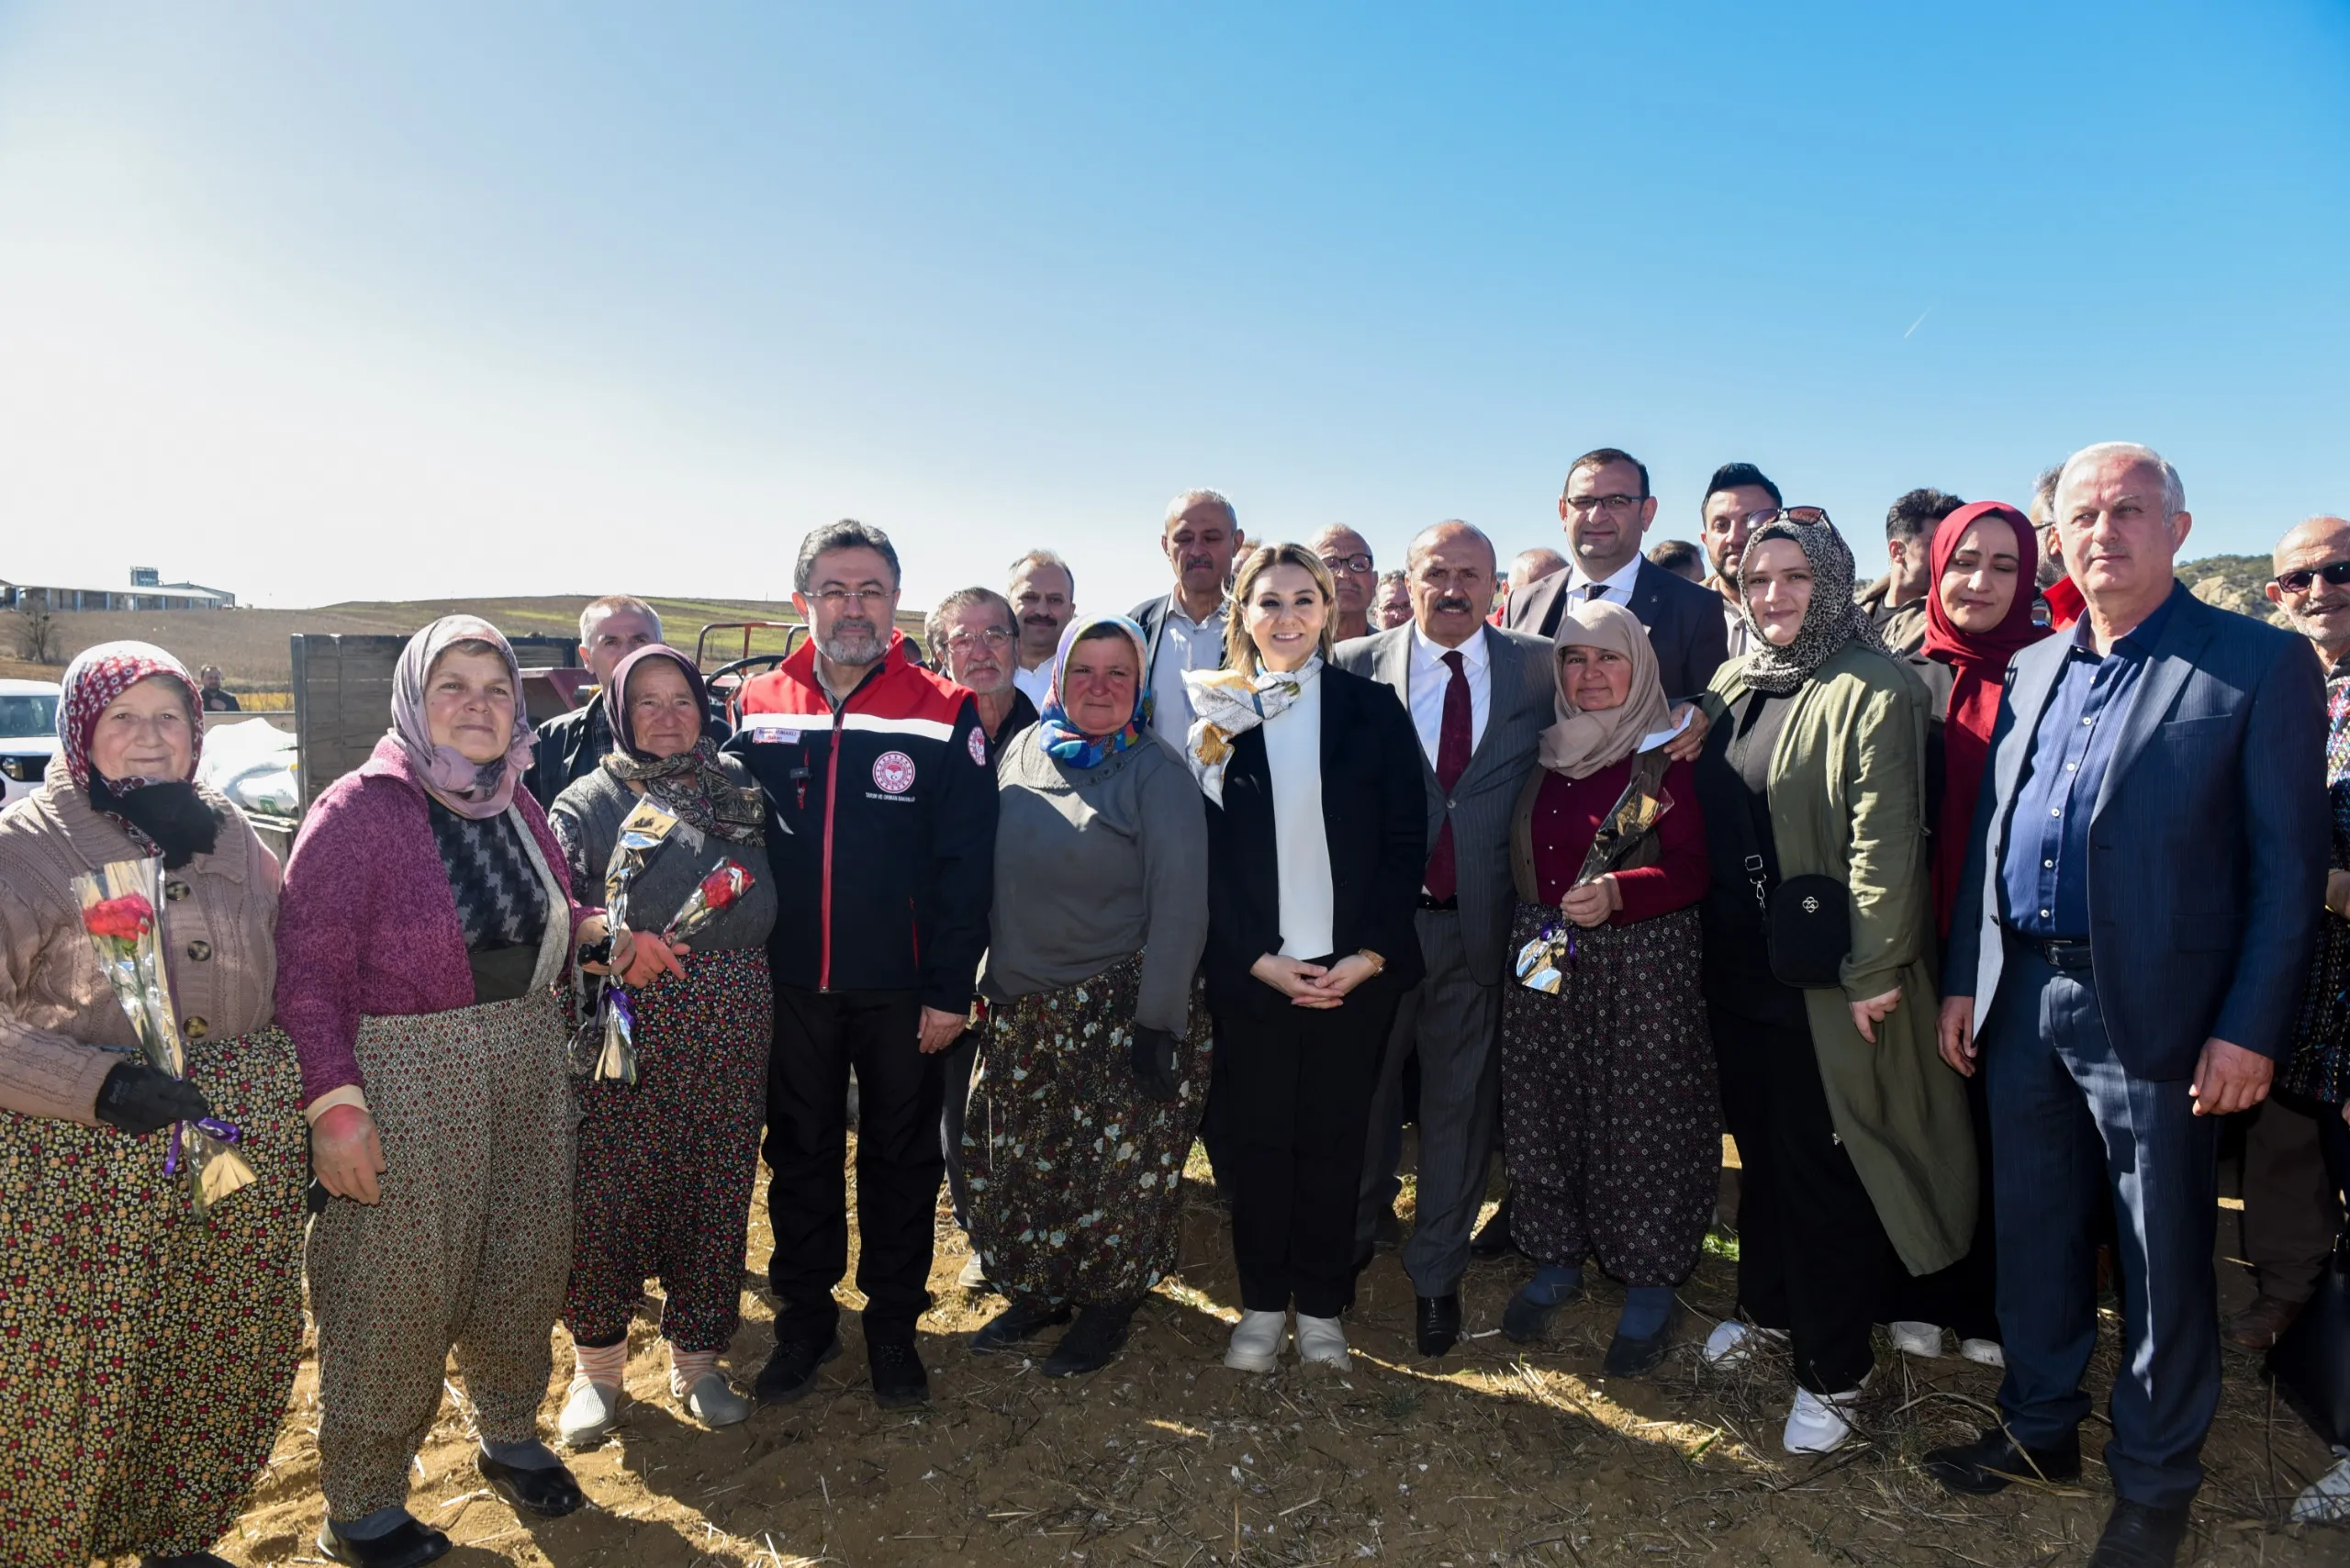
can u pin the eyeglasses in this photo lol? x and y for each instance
(1584, 506)
(834, 597)
(1347, 563)
(994, 637)
(1770, 515)
(2335, 573)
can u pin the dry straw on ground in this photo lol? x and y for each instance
(1492, 1455)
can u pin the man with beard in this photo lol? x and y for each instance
(1044, 597)
(1735, 492)
(1605, 509)
(970, 635)
(1391, 605)
(1353, 575)
(1479, 697)
(1184, 629)
(881, 839)
(571, 745)
(1895, 603)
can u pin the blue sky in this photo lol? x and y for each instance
(320, 302)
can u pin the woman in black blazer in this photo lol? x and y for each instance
(1316, 840)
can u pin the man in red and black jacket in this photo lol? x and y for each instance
(880, 793)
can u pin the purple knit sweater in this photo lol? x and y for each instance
(366, 926)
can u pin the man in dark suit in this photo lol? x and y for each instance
(1184, 629)
(1607, 509)
(1479, 697)
(2143, 882)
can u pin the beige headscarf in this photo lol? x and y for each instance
(1578, 744)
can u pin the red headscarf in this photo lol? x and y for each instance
(1980, 659)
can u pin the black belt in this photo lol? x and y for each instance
(2056, 952)
(1427, 903)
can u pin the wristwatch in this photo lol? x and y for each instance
(1378, 965)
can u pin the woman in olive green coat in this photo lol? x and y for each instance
(1857, 1156)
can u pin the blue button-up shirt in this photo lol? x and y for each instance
(2044, 877)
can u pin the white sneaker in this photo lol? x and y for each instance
(1732, 1342)
(588, 1416)
(2326, 1500)
(713, 1401)
(1257, 1343)
(1923, 1341)
(1817, 1424)
(1321, 1341)
(1984, 1353)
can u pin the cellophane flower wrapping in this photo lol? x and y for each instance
(716, 894)
(645, 831)
(119, 905)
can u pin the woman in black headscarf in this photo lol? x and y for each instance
(667, 1158)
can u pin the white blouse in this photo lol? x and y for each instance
(1294, 758)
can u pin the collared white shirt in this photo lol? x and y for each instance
(1301, 839)
(1618, 587)
(1037, 683)
(1429, 678)
(1183, 645)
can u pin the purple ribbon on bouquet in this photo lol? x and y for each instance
(212, 1127)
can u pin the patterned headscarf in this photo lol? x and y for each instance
(1062, 740)
(174, 813)
(1578, 744)
(690, 785)
(1829, 621)
(469, 788)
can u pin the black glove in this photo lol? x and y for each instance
(139, 1100)
(1153, 1060)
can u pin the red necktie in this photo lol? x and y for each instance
(1442, 880)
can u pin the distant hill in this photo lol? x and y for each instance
(2233, 582)
(252, 645)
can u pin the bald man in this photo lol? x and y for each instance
(1353, 574)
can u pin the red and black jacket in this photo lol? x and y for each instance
(880, 827)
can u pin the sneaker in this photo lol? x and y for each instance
(1923, 1341)
(974, 1276)
(1257, 1343)
(1817, 1424)
(1984, 1353)
(1321, 1342)
(1094, 1343)
(588, 1413)
(898, 1380)
(1021, 1320)
(2326, 1500)
(1732, 1343)
(791, 1372)
(713, 1401)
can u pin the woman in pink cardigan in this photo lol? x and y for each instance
(425, 923)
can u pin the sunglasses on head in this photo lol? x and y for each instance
(2335, 573)
(1770, 515)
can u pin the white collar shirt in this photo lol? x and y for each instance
(1429, 678)
(1618, 585)
(1037, 683)
(1183, 645)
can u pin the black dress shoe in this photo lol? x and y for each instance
(186, 1560)
(1094, 1343)
(899, 1381)
(1439, 1323)
(409, 1546)
(1627, 1357)
(791, 1370)
(1986, 1464)
(1021, 1321)
(1494, 1241)
(2139, 1535)
(549, 1492)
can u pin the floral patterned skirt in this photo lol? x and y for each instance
(145, 1357)
(1075, 1175)
(1610, 1112)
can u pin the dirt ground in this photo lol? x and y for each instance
(1491, 1455)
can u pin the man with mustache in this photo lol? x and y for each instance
(1735, 492)
(1353, 574)
(1479, 697)
(1605, 509)
(880, 789)
(1044, 597)
(1184, 629)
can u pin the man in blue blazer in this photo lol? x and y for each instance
(2126, 956)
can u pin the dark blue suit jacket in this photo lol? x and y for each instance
(2207, 844)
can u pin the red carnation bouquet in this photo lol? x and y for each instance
(718, 893)
(118, 904)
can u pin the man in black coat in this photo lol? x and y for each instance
(571, 745)
(1607, 509)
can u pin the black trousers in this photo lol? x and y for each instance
(1294, 1090)
(955, 1064)
(817, 1037)
(1813, 1257)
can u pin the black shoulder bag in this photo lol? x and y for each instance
(1807, 921)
